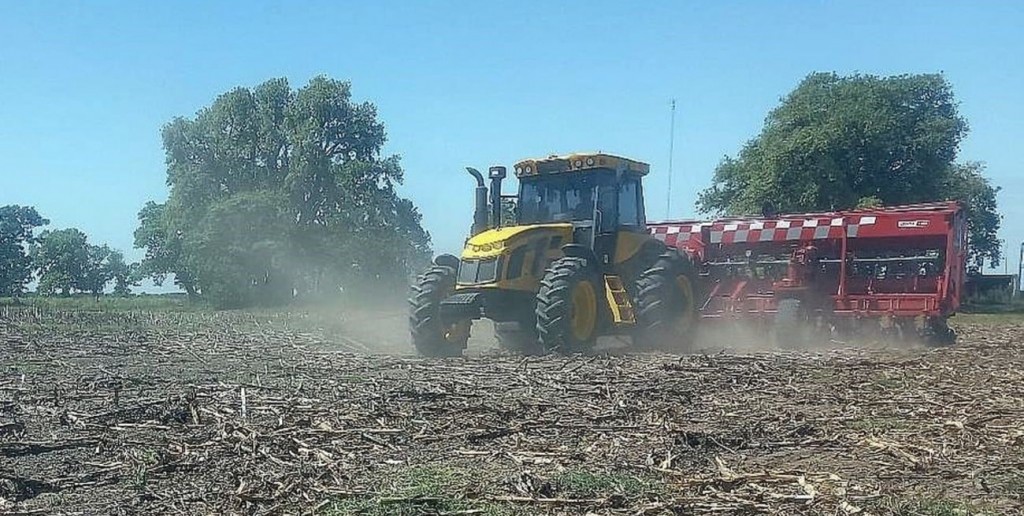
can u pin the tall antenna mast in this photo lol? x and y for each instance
(1020, 271)
(671, 152)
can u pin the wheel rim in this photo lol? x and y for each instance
(583, 316)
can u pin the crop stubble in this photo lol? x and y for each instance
(232, 413)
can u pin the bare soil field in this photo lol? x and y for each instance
(242, 413)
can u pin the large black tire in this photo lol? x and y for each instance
(518, 337)
(936, 332)
(568, 317)
(430, 335)
(665, 302)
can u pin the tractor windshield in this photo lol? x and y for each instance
(558, 198)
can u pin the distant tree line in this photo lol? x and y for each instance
(62, 261)
(840, 142)
(278, 194)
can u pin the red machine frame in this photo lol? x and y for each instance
(895, 263)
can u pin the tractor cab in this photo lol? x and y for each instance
(599, 188)
(599, 194)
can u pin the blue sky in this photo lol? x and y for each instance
(86, 86)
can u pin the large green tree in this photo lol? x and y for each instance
(62, 261)
(66, 263)
(165, 247)
(841, 142)
(17, 233)
(965, 182)
(278, 192)
(120, 272)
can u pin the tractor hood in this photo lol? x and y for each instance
(494, 242)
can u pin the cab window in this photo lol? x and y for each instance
(629, 203)
(557, 198)
(607, 203)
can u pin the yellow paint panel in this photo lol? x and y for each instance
(495, 242)
(628, 243)
(504, 242)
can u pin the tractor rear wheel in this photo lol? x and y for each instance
(568, 311)
(431, 336)
(665, 304)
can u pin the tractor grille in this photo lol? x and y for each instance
(479, 271)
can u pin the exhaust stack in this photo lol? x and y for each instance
(480, 209)
(496, 174)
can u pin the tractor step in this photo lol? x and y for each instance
(618, 300)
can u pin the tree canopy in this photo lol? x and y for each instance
(844, 142)
(276, 192)
(67, 263)
(17, 227)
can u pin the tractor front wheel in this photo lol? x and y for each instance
(431, 336)
(568, 312)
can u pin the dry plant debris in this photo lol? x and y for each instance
(228, 413)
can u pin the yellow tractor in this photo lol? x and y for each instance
(577, 263)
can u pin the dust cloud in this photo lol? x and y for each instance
(382, 327)
(754, 337)
(377, 323)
